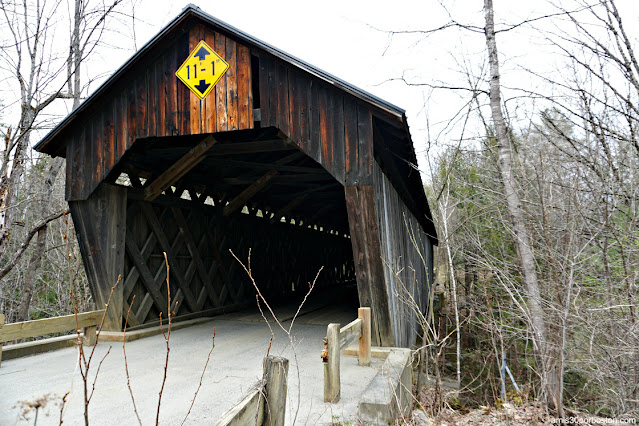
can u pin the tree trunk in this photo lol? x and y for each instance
(10, 193)
(518, 222)
(36, 258)
(27, 289)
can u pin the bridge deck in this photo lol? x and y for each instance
(241, 342)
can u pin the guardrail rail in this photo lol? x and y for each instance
(23, 330)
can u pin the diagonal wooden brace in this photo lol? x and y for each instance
(179, 169)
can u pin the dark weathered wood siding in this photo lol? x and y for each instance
(151, 101)
(342, 128)
(407, 254)
(100, 224)
(365, 238)
(328, 124)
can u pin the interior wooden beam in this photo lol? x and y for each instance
(249, 192)
(390, 119)
(261, 166)
(288, 207)
(319, 213)
(320, 176)
(291, 158)
(179, 169)
(297, 201)
(250, 147)
(301, 179)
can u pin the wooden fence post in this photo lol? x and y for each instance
(365, 337)
(90, 337)
(331, 367)
(1, 324)
(276, 375)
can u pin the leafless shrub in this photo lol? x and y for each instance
(287, 331)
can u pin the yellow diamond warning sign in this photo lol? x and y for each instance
(202, 70)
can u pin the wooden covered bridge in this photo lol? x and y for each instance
(261, 151)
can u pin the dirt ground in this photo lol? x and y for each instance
(527, 414)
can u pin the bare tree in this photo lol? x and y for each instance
(41, 79)
(521, 235)
(545, 215)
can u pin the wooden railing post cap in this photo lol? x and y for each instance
(272, 359)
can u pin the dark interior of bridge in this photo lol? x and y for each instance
(253, 192)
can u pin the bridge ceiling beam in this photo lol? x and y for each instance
(179, 168)
(239, 201)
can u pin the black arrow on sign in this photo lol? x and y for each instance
(202, 86)
(202, 53)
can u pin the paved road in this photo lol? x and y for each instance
(241, 342)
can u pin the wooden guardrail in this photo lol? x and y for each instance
(337, 337)
(22, 330)
(265, 405)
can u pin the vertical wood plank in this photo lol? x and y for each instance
(315, 148)
(72, 153)
(100, 222)
(142, 124)
(365, 145)
(183, 92)
(351, 164)
(98, 150)
(264, 91)
(364, 353)
(121, 121)
(115, 114)
(365, 239)
(356, 226)
(108, 137)
(231, 84)
(272, 85)
(326, 128)
(276, 372)
(170, 91)
(90, 337)
(282, 99)
(294, 112)
(402, 240)
(89, 161)
(220, 88)
(160, 109)
(76, 165)
(338, 136)
(152, 111)
(209, 104)
(131, 114)
(301, 102)
(245, 100)
(249, 79)
(380, 311)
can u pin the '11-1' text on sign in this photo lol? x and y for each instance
(202, 69)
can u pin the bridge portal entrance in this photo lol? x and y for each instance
(209, 142)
